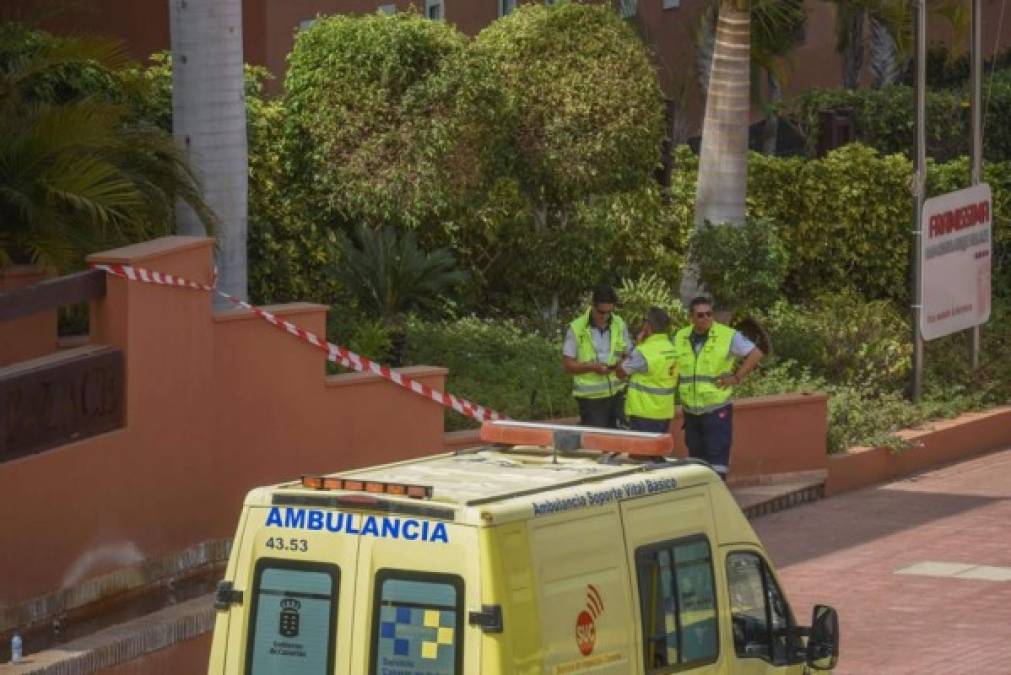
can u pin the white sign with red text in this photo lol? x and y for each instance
(955, 255)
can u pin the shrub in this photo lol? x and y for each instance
(372, 132)
(885, 118)
(743, 266)
(636, 296)
(844, 339)
(845, 219)
(495, 364)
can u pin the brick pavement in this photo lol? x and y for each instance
(844, 552)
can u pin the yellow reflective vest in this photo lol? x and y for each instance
(697, 373)
(592, 385)
(651, 394)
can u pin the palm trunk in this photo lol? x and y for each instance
(884, 63)
(209, 121)
(770, 132)
(723, 156)
(852, 47)
(705, 40)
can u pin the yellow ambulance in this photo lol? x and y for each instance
(551, 549)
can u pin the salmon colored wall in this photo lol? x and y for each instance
(30, 336)
(214, 406)
(940, 443)
(773, 436)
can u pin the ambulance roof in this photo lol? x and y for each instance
(522, 480)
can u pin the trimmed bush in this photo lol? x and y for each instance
(495, 364)
(742, 266)
(885, 118)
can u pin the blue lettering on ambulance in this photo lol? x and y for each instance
(294, 518)
(367, 526)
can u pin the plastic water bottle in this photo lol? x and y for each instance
(16, 648)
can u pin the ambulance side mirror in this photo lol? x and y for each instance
(823, 642)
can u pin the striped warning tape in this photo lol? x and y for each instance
(334, 353)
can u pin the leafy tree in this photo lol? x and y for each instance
(77, 174)
(583, 103)
(382, 125)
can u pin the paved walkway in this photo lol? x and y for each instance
(951, 613)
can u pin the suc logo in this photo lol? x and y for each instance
(586, 622)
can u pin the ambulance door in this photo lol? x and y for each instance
(765, 640)
(418, 579)
(581, 577)
(295, 571)
(673, 558)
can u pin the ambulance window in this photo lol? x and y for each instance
(677, 600)
(417, 623)
(761, 618)
(294, 616)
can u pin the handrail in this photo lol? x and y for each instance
(52, 293)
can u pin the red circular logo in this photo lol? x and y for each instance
(586, 633)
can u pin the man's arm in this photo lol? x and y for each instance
(572, 365)
(747, 365)
(635, 363)
(741, 346)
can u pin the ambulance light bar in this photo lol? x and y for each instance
(566, 438)
(372, 486)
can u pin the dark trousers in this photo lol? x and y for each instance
(647, 424)
(709, 437)
(608, 413)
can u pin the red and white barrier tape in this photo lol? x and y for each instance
(334, 353)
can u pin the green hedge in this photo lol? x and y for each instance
(846, 218)
(885, 120)
(498, 364)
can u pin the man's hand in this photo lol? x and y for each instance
(601, 368)
(724, 381)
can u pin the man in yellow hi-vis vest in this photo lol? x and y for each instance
(707, 352)
(651, 370)
(594, 344)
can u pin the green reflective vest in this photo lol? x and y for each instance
(591, 385)
(651, 394)
(697, 373)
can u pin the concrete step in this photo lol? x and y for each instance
(760, 500)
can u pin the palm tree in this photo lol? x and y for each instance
(389, 275)
(723, 155)
(77, 174)
(890, 23)
(209, 122)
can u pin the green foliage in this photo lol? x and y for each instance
(385, 118)
(582, 96)
(497, 364)
(291, 253)
(389, 275)
(845, 219)
(743, 266)
(884, 118)
(77, 172)
(636, 296)
(945, 70)
(844, 339)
